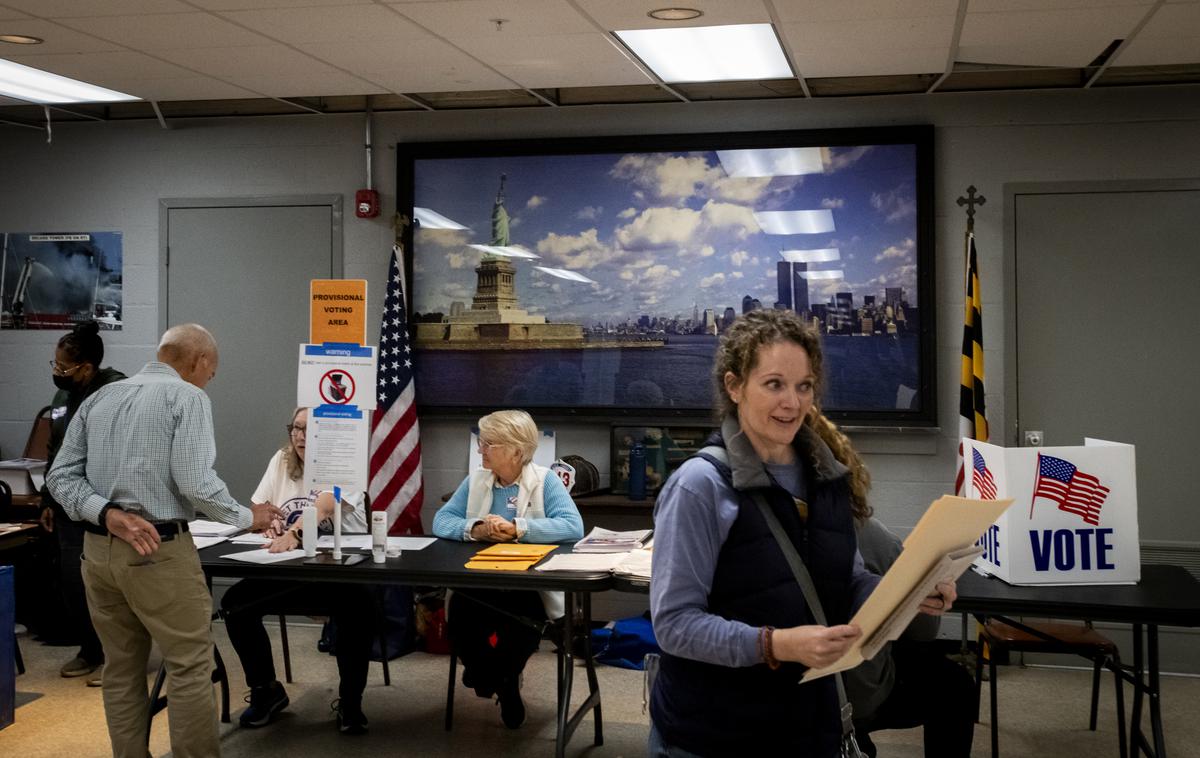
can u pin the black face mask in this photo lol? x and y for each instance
(63, 383)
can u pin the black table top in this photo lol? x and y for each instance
(1166, 595)
(440, 564)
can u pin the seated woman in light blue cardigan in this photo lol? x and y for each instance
(509, 499)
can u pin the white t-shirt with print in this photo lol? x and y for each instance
(290, 496)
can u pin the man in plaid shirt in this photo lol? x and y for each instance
(134, 467)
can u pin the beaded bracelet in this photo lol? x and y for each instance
(768, 650)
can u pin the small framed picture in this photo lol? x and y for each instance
(666, 448)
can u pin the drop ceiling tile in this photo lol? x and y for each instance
(58, 39)
(1068, 38)
(573, 60)
(416, 66)
(193, 88)
(170, 31)
(348, 25)
(991, 6)
(838, 61)
(616, 15)
(113, 67)
(848, 10)
(274, 70)
(1161, 51)
(77, 8)
(11, 14)
(1179, 20)
(860, 34)
(460, 19)
(242, 5)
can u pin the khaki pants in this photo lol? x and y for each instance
(164, 599)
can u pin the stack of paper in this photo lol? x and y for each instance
(636, 564)
(212, 528)
(508, 556)
(607, 541)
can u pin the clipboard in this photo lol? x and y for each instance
(941, 546)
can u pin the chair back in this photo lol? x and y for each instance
(38, 443)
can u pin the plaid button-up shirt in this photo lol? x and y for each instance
(145, 443)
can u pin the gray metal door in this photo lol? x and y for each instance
(1105, 339)
(242, 269)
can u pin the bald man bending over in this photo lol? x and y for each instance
(136, 463)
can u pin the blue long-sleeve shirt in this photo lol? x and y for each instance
(692, 517)
(562, 522)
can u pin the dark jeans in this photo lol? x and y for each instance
(931, 690)
(474, 616)
(70, 547)
(352, 606)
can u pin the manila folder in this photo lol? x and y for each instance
(940, 547)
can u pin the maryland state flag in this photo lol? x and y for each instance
(972, 420)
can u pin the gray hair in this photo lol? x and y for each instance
(184, 342)
(512, 428)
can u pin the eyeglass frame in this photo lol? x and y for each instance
(293, 428)
(480, 445)
(59, 371)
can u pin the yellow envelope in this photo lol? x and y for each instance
(506, 550)
(508, 565)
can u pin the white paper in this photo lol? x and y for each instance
(251, 538)
(206, 540)
(204, 527)
(338, 447)
(336, 375)
(635, 563)
(363, 542)
(582, 562)
(264, 556)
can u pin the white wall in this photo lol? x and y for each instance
(98, 176)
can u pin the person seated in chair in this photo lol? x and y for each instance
(352, 606)
(509, 499)
(910, 682)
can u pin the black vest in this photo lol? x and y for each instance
(715, 710)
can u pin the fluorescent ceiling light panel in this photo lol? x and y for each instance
(563, 273)
(823, 255)
(506, 251)
(431, 219)
(735, 52)
(781, 161)
(814, 275)
(34, 86)
(795, 222)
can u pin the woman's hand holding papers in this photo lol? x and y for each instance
(814, 646)
(937, 604)
(283, 543)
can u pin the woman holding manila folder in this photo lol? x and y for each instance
(736, 630)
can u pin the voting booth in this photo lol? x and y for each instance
(1074, 516)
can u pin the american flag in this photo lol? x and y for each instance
(1073, 490)
(981, 477)
(396, 484)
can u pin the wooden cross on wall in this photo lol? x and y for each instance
(971, 200)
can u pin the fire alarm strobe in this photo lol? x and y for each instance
(366, 203)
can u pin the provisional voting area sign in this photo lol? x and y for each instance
(1074, 519)
(336, 454)
(336, 374)
(338, 311)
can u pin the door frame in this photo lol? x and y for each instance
(1011, 426)
(166, 205)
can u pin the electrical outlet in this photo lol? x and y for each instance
(1033, 439)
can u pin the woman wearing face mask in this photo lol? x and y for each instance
(76, 373)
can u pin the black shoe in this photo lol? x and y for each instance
(483, 688)
(350, 718)
(512, 709)
(265, 702)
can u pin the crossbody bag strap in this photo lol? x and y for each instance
(804, 579)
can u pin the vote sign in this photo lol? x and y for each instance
(1074, 515)
(336, 374)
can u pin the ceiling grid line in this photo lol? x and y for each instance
(777, 23)
(1124, 43)
(960, 19)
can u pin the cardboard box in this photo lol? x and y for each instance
(1074, 519)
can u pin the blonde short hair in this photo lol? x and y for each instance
(512, 428)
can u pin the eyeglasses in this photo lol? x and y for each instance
(63, 371)
(483, 447)
(296, 429)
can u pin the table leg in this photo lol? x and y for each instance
(1160, 746)
(1137, 741)
(567, 724)
(566, 671)
(593, 682)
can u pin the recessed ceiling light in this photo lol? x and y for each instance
(21, 39)
(32, 85)
(675, 14)
(735, 52)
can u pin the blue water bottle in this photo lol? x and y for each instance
(637, 471)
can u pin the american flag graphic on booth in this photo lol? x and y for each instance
(396, 484)
(1074, 491)
(981, 477)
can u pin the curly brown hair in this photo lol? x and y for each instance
(738, 353)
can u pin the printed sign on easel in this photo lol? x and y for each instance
(337, 311)
(337, 448)
(336, 374)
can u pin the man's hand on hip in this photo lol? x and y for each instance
(264, 514)
(134, 529)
